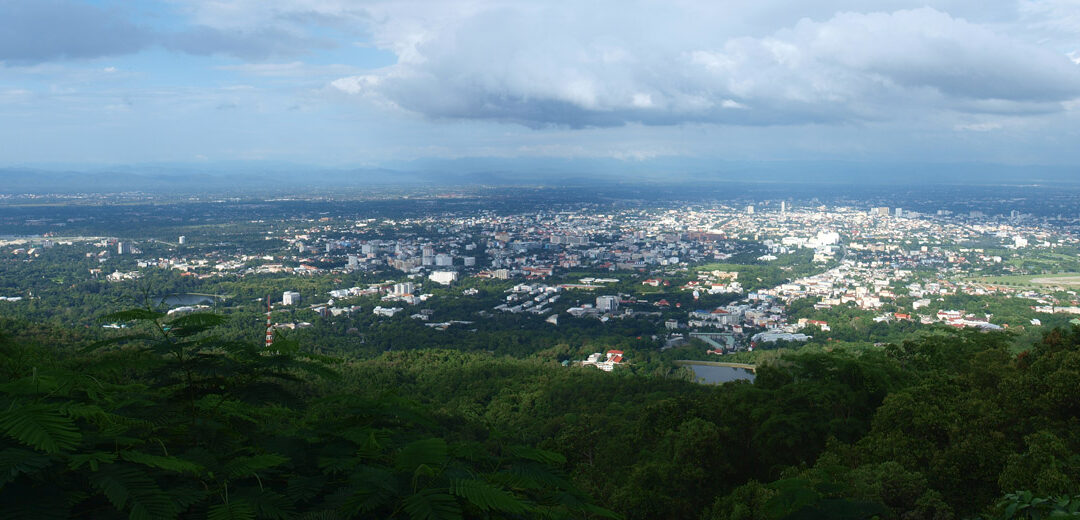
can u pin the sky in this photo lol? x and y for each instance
(372, 83)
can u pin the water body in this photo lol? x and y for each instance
(177, 300)
(715, 375)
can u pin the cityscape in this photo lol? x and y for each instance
(475, 259)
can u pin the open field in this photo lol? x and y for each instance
(1067, 280)
(1063, 279)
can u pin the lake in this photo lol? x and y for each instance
(177, 300)
(711, 374)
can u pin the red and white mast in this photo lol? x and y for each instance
(269, 325)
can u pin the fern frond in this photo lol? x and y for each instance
(92, 459)
(487, 497)
(129, 488)
(41, 426)
(274, 506)
(195, 323)
(16, 461)
(429, 452)
(302, 488)
(536, 454)
(247, 466)
(233, 510)
(174, 464)
(432, 504)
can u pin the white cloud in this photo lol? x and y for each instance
(979, 127)
(541, 65)
(290, 69)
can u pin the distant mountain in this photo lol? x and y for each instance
(240, 176)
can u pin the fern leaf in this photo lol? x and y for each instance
(15, 461)
(129, 488)
(429, 452)
(372, 489)
(93, 459)
(274, 506)
(432, 504)
(536, 454)
(233, 510)
(302, 488)
(42, 427)
(533, 475)
(321, 515)
(487, 497)
(175, 464)
(192, 324)
(246, 466)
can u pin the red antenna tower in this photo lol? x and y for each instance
(269, 325)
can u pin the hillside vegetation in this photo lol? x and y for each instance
(168, 421)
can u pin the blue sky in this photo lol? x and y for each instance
(368, 83)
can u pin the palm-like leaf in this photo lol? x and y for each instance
(41, 426)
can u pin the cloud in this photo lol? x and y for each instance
(37, 31)
(258, 44)
(539, 65)
(979, 127)
(42, 30)
(290, 69)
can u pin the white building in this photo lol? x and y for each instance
(182, 240)
(469, 261)
(386, 311)
(290, 298)
(403, 288)
(443, 277)
(607, 303)
(444, 260)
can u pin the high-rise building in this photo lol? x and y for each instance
(783, 206)
(290, 298)
(607, 303)
(354, 261)
(469, 261)
(444, 260)
(403, 288)
(750, 210)
(182, 240)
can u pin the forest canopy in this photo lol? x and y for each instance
(168, 420)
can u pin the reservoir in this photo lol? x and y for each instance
(175, 300)
(715, 373)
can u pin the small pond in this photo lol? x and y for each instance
(711, 374)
